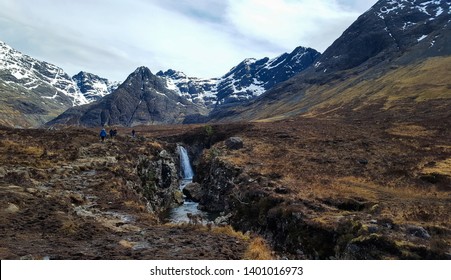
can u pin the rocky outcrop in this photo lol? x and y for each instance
(216, 178)
(301, 228)
(159, 181)
(234, 143)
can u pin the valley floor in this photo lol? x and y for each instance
(355, 189)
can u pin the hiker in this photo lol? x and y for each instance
(115, 132)
(111, 133)
(133, 133)
(103, 134)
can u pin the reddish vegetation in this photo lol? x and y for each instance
(313, 187)
(65, 195)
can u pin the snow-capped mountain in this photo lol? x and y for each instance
(50, 81)
(252, 77)
(245, 81)
(197, 90)
(142, 99)
(393, 60)
(389, 29)
(94, 87)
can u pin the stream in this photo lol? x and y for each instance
(179, 214)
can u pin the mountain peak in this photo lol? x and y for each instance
(31, 74)
(143, 71)
(92, 86)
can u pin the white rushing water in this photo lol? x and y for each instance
(185, 165)
(179, 214)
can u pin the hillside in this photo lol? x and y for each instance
(34, 92)
(395, 57)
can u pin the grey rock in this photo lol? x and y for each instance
(193, 191)
(234, 143)
(223, 220)
(418, 231)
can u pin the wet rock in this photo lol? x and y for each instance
(234, 143)
(418, 231)
(193, 191)
(165, 155)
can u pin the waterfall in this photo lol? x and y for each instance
(185, 165)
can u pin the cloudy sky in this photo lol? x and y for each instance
(203, 38)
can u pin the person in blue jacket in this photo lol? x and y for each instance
(103, 134)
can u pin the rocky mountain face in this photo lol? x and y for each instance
(142, 99)
(197, 90)
(33, 91)
(94, 87)
(245, 81)
(395, 56)
(252, 77)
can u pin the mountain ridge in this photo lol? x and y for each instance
(142, 98)
(349, 74)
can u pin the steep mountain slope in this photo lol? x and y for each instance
(253, 77)
(245, 81)
(396, 56)
(33, 91)
(142, 99)
(94, 87)
(197, 90)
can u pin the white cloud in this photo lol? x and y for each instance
(202, 38)
(289, 23)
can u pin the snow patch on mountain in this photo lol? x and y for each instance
(94, 87)
(33, 74)
(432, 9)
(249, 79)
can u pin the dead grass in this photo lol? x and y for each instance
(258, 249)
(410, 130)
(228, 230)
(442, 167)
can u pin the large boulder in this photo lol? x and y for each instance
(234, 143)
(193, 191)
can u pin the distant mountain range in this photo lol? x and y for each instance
(172, 97)
(394, 56)
(142, 99)
(247, 80)
(39, 91)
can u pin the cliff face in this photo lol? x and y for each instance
(160, 181)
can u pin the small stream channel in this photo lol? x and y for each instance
(179, 214)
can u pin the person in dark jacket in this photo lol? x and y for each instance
(103, 134)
